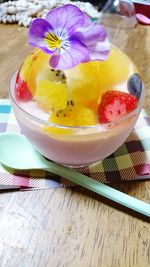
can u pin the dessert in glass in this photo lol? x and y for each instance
(75, 97)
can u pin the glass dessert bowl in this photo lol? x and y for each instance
(80, 115)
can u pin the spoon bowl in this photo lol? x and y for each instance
(16, 152)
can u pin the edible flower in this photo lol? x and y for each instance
(70, 37)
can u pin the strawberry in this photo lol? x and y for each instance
(115, 104)
(22, 92)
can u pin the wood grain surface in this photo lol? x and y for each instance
(73, 227)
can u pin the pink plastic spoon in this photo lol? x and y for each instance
(143, 19)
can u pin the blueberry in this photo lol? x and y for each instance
(134, 85)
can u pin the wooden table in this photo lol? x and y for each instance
(72, 227)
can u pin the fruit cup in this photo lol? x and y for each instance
(79, 104)
(69, 145)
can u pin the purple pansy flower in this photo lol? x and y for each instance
(70, 37)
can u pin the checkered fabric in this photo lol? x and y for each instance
(130, 162)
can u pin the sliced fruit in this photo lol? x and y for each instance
(63, 119)
(71, 116)
(54, 130)
(22, 91)
(83, 82)
(40, 60)
(25, 68)
(85, 117)
(115, 104)
(93, 105)
(31, 67)
(90, 80)
(51, 96)
(48, 73)
(74, 115)
(116, 69)
(134, 85)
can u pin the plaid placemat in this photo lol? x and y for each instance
(130, 162)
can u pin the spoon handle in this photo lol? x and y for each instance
(100, 188)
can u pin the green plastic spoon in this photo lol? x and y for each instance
(16, 152)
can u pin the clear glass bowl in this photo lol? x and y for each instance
(73, 146)
(118, 14)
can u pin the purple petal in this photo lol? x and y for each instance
(99, 51)
(65, 19)
(37, 32)
(70, 56)
(92, 33)
(94, 36)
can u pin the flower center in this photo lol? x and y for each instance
(53, 40)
